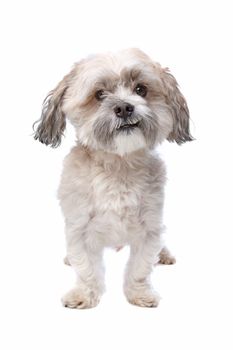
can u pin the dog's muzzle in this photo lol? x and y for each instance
(127, 120)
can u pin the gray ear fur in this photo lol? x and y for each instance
(51, 125)
(179, 108)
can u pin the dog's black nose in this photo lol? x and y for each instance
(124, 110)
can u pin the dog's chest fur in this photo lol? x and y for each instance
(117, 188)
(109, 192)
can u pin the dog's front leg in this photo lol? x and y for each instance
(87, 263)
(137, 286)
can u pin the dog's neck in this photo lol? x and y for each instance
(115, 161)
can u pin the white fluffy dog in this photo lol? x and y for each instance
(112, 188)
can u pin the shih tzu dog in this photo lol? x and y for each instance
(112, 188)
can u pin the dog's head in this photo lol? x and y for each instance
(117, 103)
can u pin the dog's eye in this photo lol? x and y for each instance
(141, 90)
(100, 95)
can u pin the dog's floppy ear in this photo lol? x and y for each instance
(50, 127)
(179, 109)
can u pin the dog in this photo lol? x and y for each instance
(122, 105)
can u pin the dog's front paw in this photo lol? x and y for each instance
(144, 299)
(76, 298)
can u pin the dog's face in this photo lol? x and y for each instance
(117, 103)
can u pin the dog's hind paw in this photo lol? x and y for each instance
(66, 261)
(166, 258)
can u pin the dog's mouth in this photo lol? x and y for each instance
(128, 126)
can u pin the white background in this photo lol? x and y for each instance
(40, 40)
